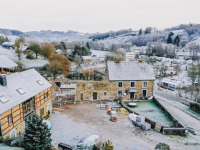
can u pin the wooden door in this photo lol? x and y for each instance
(94, 95)
(82, 96)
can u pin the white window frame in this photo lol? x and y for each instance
(142, 92)
(118, 93)
(143, 84)
(104, 93)
(11, 119)
(118, 84)
(134, 84)
(47, 96)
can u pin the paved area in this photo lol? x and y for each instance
(72, 124)
(173, 98)
(184, 116)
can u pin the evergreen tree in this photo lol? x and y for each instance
(88, 45)
(77, 50)
(171, 33)
(140, 31)
(63, 45)
(37, 136)
(7, 39)
(169, 40)
(177, 40)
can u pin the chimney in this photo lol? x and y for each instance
(3, 80)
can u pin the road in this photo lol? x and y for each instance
(183, 116)
(173, 98)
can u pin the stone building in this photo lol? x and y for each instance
(124, 80)
(22, 95)
(86, 59)
(85, 70)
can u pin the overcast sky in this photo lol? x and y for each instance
(96, 15)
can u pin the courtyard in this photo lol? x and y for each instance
(72, 124)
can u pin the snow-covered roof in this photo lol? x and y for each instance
(27, 81)
(8, 44)
(86, 66)
(23, 48)
(86, 57)
(5, 62)
(129, 71)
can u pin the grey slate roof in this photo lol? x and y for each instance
(129, 71)
(27, 81)
(5, 62)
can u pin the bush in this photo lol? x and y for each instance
(195, 107)
(29, 56)
(162, 146)
(8, 141)
(1, 139)
(107, 145)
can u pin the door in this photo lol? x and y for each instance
(48, 109)
(132, 95)
(94, 95)
(144, 92)
(82, 96)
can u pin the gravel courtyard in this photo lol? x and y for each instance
(72, 124)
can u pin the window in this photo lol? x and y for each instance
(105, 93)
(40, 82)
(45, 96)
(120, 84)
(3, 99)
(145, 84)
(120, 93)
(10, 119)
(126, 91)
(132, 84)
(21, 91)
(90, 86)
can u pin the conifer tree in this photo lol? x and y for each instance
(169, 40)
(140, 32)
(88, 45)
(37, 136)
(177, 40)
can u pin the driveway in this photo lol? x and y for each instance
(173, 98)
(72, 124)
(183, 116)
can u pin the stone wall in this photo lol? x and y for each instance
(111, 88)
(44, 106)
(87, 61)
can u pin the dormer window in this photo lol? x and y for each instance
(21, 91)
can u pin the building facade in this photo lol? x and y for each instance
(23, 95)
(125, 80)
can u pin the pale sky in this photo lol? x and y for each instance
(96, 15)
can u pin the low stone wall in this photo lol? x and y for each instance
(179, 128)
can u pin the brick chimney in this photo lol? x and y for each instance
(3, 80)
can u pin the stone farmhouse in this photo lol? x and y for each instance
(86, 59)
(21, 95)
(124, 80)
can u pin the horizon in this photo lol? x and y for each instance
(92, 17)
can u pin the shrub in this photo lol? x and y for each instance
(29, 56)
(107, 145)
(195, 107)
(1, 139)
(8, 141)
(162, 146)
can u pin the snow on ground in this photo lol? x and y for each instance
(12, 38)
(26, 62)
(151, 110)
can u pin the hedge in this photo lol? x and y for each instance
(195, 107)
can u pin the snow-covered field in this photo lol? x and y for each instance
(26, 62)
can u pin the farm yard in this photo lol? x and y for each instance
(72, 124)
